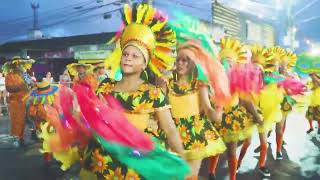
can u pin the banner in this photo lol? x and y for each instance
(100, 54)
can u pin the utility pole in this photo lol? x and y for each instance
(35, 7)
(35, 32)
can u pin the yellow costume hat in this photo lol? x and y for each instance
(25, 64)
(147, 30)
(43, 84)
(72, 68)
(98, 64)
(232, 49)
(261, 56)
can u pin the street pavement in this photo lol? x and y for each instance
(301, 157)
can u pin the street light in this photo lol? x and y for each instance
(294, 29)
(308, 41)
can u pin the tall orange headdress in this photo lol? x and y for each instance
(213, 69)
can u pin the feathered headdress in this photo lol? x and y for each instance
(261, 56)
(232, 49)
(290, 58)
(277, 52)
(24, 64)
(212, 69)
(144, 26)
(188, 28)
(191, 37)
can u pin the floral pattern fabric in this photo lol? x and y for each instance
(313, 113)
(147, 99)
(287, 104)
(200, 138)
(236, 124)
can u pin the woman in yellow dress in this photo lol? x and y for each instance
(267, 102)
(313, 113)
(236, 125)
(285, 60)
(188, 93)
(145, 42)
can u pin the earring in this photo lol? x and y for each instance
(145, 72)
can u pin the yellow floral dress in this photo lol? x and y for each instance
(200, 139)
(139, 106)
(313, 112)
(236, 124)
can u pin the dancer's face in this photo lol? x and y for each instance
(132, 60)
(81, 69)
(282, 67)
(185, 62)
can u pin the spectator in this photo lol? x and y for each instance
(48, 78)
(33, 77)
(2, 91)
(65, 79)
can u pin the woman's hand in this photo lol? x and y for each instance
(205, 106)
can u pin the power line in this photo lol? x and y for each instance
(305, 7)
(308, 20)
(25, 19)
(61, 19)
(84, 11)
(182, 4)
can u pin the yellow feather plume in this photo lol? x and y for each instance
(141, 12)
(167, 58)
(232, 48)
(149, 15)
(158, 26)
(113, 61)
(277, 52)
(291, 59)
(127, 13)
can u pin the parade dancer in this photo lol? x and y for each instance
(285, 60)
(188, 93)
(99, 71)
(82, 72)
(18, 84)
(37, 104)
(236, 124)
(145, 42)
(267, 103)
(313, 113)
(198, 82)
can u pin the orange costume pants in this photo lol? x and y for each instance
(17, 112)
